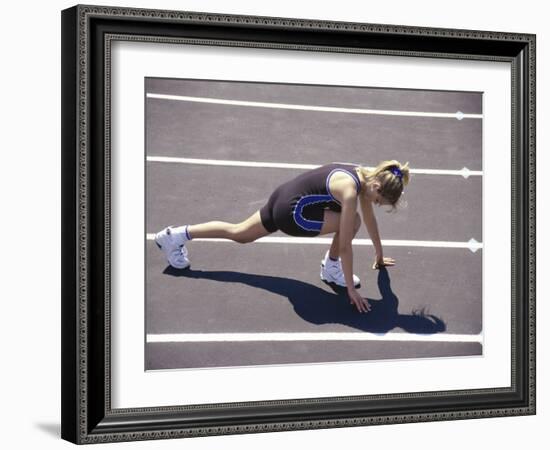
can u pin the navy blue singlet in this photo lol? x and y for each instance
(297, 206)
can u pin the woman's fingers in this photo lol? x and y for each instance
(366, 304)
(361, 307)
(386, 261)
(365, 307)
(360, 303)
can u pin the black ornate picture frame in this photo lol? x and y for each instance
(87, 412)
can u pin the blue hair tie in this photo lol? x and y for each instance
(397, 172)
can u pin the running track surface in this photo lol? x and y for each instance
(263, 303)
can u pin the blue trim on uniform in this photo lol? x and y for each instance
(187, 233)
(355, 178)
(300, 220)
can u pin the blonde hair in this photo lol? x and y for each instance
(392, 176)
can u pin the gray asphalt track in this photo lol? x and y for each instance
(433, 202)
(339, 96)
(277, 135)
(275, 288)
(183, 356)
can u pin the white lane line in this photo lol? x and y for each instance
(218, 101)
(313, 337)
(229, 163)
(224, 162)
(472, 245)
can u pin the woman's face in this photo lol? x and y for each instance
(375, 196)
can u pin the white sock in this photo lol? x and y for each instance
(182, 230)
(330, 262)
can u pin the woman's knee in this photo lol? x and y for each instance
(243, 239)
(357, 222)
(243, 233)
(237, 234)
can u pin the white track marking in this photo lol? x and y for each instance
(219, 101)
(312, 337)
(474, 245)
(471, 245)
(465, 172)
(230, 163)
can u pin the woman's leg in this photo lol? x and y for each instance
(172, 240)
(331, 269)
(331, 224)
(247, 231)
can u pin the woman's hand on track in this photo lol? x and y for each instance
(385, 261)
(361, 303)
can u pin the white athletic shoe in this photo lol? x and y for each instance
(331, 272)
(172, 242)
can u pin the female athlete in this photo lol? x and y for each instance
(320, 201)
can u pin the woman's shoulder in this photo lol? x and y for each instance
(348, 164)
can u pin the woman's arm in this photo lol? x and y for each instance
(346, 233)
(372, 227)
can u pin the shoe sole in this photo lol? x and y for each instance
(332, 283)
(179, 268)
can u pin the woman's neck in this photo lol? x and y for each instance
(365, 180)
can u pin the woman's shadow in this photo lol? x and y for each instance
(318, 306)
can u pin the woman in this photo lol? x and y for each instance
(318, 202)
